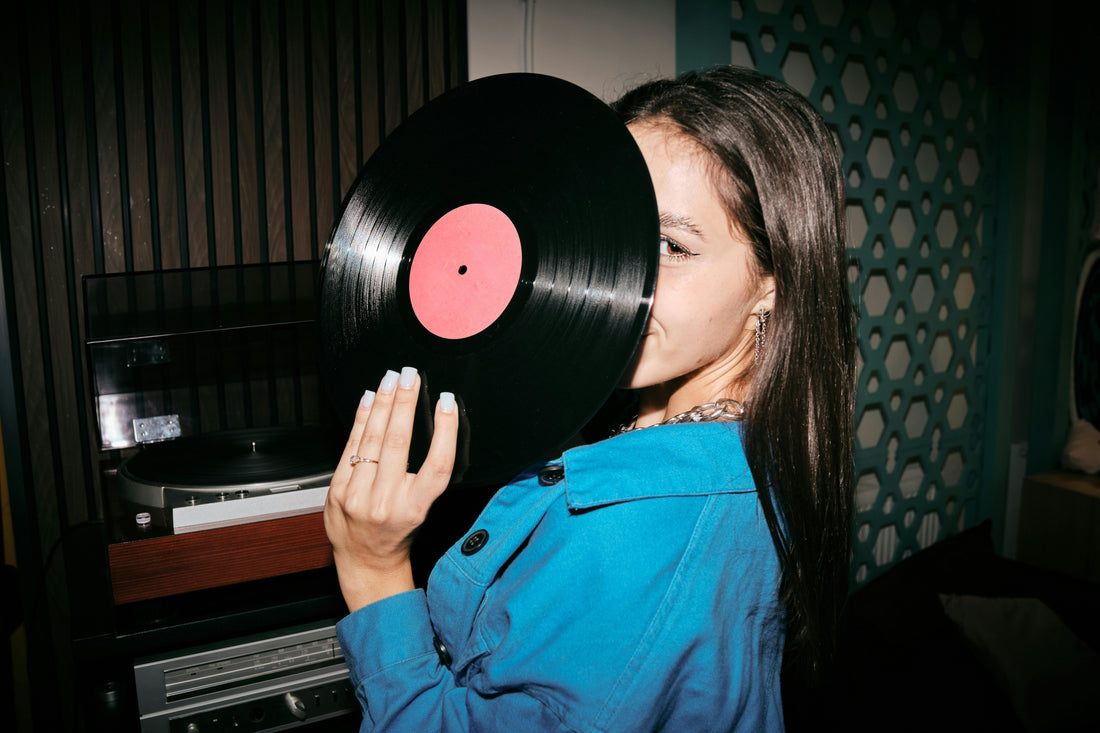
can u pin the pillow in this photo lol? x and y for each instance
(1051, 676)
(1082, 449)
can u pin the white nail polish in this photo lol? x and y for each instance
(408, 378)
(389, 382)
(367, 399)
(447, 402)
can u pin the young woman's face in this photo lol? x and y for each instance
(700, 337)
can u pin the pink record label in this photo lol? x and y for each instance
(465, 271)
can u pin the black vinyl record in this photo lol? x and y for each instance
(235, 458)
(503, 241)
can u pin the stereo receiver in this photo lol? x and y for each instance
(283, 681)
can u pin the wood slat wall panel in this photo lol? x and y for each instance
(270, 155)
(191, 114)
(415, 26)
(109, 158)
(147, 136)
(130, 90)
(325, 158)
(346, 52)
(393, 93)
(220, 125)
(368, 122)
(163, 173)
(247, 163)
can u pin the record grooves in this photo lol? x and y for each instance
(503, 241)
(235, 458)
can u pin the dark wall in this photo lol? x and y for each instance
(142, 136)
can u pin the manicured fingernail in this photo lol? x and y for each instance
(447, 402)
(367, 399)
(408, 378)
(389, 382)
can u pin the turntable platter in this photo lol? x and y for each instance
(235, 458)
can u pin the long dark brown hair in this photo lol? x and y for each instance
(779, 175)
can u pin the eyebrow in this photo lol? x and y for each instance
(681, 222)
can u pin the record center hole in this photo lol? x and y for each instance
(462, 270)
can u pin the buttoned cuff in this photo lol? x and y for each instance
(385, 633)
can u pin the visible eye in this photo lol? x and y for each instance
(673, 250)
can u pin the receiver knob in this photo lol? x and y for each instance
(295, 705)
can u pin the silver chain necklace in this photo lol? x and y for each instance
(720, 410)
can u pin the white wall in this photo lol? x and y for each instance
(605, 46)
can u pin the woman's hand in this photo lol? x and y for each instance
(374, 504)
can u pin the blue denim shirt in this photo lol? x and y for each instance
(631, 585)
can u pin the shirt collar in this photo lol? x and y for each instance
(689, 459)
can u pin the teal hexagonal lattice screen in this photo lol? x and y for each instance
(903, 86)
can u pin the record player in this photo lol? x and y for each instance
(207, 396)
(230, 477)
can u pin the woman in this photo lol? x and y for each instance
(658, 579)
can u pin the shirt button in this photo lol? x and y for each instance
(441, 650)
(475, 542)
(549, 475)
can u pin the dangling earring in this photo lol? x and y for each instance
(761, 332)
